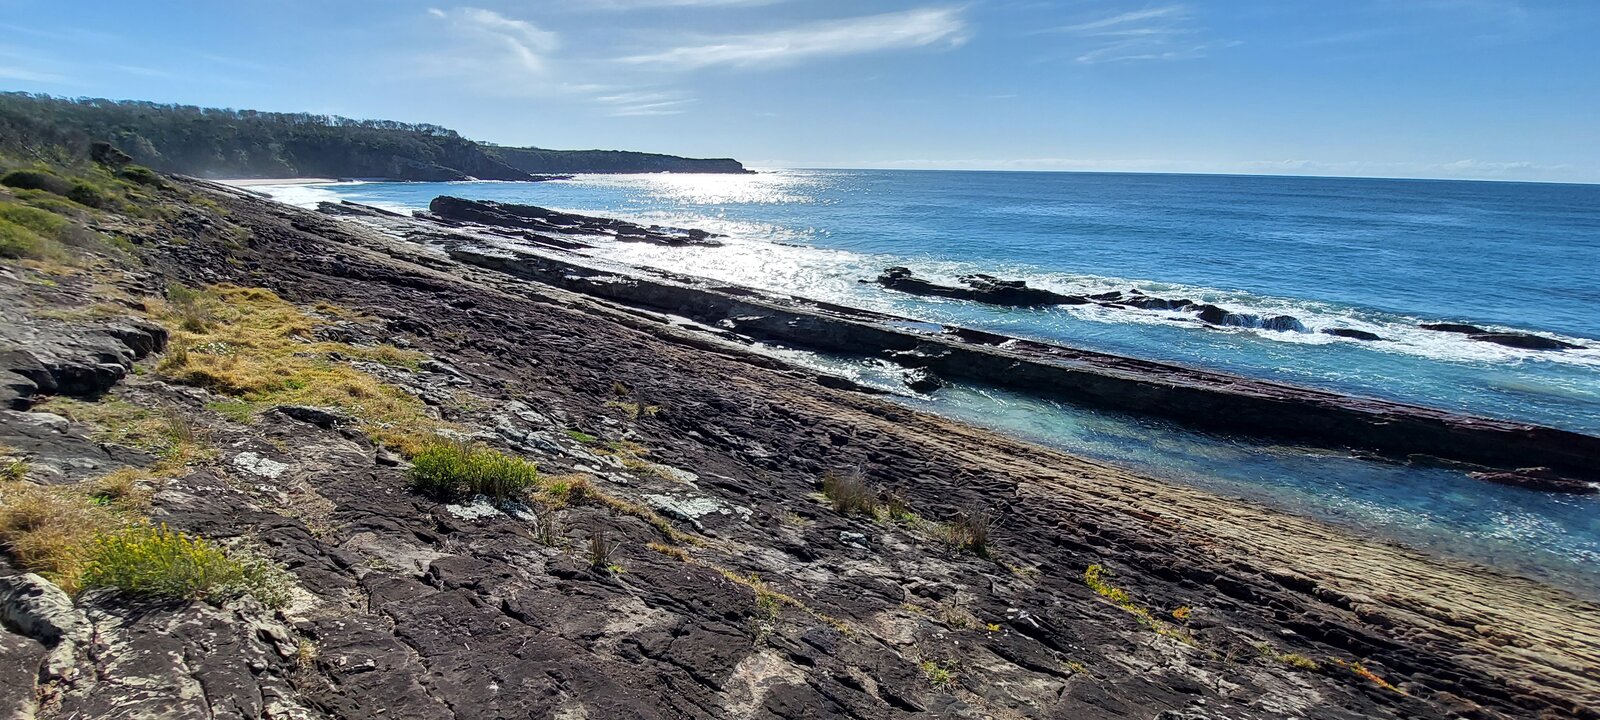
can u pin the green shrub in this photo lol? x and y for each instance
(140, 174)
(39, 221)
(163, 563)
(17, 241)
(85, 194)
(451, 470)
(37, 180)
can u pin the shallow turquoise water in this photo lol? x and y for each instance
(1376, 255)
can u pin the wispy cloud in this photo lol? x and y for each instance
(645, 103)
(490, 42)
(1135, 22)
(25, 75)
(635, 4)
(850, 36)
(1157, 33)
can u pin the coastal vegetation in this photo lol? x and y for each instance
(455, 469)
(218, 142)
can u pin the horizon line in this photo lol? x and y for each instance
(760, 168)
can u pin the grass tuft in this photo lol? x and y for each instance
(850, 494)
(451, 470)
(969, 531)
(48, 530)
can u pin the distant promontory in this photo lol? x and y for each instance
(213, 142)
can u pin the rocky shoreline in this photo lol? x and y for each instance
(732, 588)
(1506, 452)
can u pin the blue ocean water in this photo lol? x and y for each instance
(1374, 255)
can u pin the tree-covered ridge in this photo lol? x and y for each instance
(219, 142)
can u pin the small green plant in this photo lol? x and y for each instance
(1294, 660)
(305, 654)
(121, 487)
(939, 673)
(156, 561)
(849, 493)
(564, 490)
(1301, 662)
(582, 437)
(13, 470)
(451, 470)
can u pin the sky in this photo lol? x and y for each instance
(1478, 89)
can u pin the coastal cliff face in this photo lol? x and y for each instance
(536, 160)
(711, 533)
(211, 142)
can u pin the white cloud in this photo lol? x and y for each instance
(850, 36)
(1124, 23)
(1159, 33)
(490, 42)
(645, 103)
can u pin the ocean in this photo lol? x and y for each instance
(1381, 256)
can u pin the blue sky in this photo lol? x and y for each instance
(1492, 89)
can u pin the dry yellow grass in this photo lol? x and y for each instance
(167, 435)
(253, 345)
(50, 530)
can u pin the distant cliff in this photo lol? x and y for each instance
(536, 160)
(211, 142)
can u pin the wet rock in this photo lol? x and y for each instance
(1454, 328)
(1282, 323)
(530, 217)
(980, 288)
(922, 381)
(1213, 315)
(1351, 333)
(1146, 302)
(1525, 341)
(1540, 478)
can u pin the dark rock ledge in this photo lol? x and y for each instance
(529, 217)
